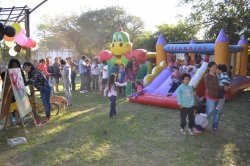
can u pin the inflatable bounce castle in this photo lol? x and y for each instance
(157, 84)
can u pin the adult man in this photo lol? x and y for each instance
(57, 75)
(83, 74)
(73, 67)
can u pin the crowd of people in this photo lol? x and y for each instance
(95, 76)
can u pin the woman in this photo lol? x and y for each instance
(38, 80)
(212, 88)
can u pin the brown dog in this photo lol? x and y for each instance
(60, 100)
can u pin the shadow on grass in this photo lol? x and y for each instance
(138, 135)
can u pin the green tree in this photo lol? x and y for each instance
(172, 33)
(233, 16)
(92, 30)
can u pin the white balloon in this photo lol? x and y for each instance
(10, 44)
(12, 52)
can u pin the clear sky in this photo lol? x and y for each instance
(152, 12)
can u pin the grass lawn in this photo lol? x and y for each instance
(138, 135)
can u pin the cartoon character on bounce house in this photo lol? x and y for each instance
(121, 50)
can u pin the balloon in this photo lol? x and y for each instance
(128, 55)
(105, 55)
(140, 55)
(17, 48)
(23, 31)
(21, 39)
(34, 44)
(17, 27)
(7, 38)
(35, 48)
(10, 44)
(1, 27)
(29, 43)
(12, 52)
(9, 31)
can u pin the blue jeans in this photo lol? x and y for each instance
(211, 109)
(112, 106)
(50, 79)
(45, 95)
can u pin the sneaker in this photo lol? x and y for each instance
(183, 131)
(215, 129)
(85, 91)
(217, 107)
(169, 94)
(82, 91)
(190, 132)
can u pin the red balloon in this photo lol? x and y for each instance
(105, 55)
(140, 55)
(128, 55)
(29, 43)
(34, 44)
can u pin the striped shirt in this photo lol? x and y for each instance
(224, 79)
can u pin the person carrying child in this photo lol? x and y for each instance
(185, 99)
(224, 80)
(111, 91)
(176, 81)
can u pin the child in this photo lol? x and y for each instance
(115, 69)
(176, 81)
(185, 99)
(121, 79)
(186, 68)
(111, 91)
(224, 80)
(139, 89)
(201, 122)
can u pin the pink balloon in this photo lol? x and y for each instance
(23, 31)
(21, 39)
(29, 43)
(105, 55)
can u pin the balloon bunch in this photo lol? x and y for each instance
(15, 38)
